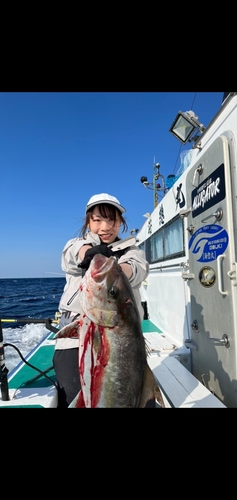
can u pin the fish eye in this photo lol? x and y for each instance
(112, 292)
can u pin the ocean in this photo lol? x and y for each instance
(26, 298)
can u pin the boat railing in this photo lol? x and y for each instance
(180, 265)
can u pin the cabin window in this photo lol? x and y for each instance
(157, 247)
(173, 238)
(168, 241)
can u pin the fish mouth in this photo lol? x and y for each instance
(101, 265)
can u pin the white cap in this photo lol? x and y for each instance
(104, 198)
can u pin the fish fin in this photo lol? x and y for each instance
(71, 330)
(150, 389)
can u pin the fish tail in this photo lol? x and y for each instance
(150, 389)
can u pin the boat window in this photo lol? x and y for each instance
(174, 238)
(157, 246)
(168, 241)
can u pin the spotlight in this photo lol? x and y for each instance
(184, 126)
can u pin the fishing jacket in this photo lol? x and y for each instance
(126, 252)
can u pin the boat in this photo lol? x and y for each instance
(190, 241)
(190, 295)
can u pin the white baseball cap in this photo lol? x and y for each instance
(104, 198)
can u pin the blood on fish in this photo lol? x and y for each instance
(99, 369)
(86, 342)
(80, 401)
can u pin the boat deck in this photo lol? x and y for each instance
(29, 389)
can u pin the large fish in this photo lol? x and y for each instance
(113, 367)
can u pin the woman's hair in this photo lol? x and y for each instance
(107, 211)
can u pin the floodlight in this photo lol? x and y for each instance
(184, 126)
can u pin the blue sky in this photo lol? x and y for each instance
(57, 149)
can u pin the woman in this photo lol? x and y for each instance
(103, 220)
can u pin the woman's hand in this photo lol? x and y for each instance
(91, 252)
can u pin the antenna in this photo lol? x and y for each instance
(157, 188)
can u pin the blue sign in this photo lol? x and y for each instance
(208, 242)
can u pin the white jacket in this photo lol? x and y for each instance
(70, 260)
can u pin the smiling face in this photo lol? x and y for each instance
(105, 220)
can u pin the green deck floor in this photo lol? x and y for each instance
(41, 359)
(148, 327)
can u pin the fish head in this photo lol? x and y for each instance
(106, 295)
